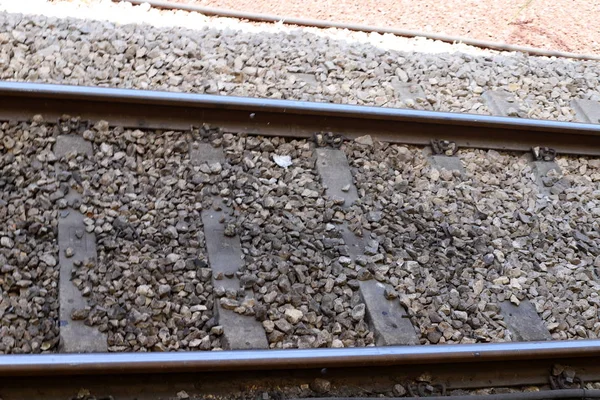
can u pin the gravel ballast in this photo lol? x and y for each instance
(136, 47)
(457, 245)
(29, 189)
(452, 246)
(304, 296)
(150, 288)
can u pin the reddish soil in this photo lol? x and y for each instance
(563, 25)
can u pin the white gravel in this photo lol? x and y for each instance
(110, 44)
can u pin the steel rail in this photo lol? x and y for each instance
(324, 24)
(74, 364)
(540, 395)
(173, 110)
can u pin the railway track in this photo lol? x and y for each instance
(280, 224)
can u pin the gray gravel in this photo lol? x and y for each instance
(192, 53)
(456, 246)
(569, 294)
(452, 247)
(304, 296)
(496, 237)
(28, 243)
(151, 286)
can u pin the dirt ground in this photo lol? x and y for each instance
(564, 25)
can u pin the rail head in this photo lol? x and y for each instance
(173, 110)
(116, 363)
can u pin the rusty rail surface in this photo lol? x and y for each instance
(171, 110)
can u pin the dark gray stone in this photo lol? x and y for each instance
(387, 317)
(72, 143)
(410, 91)
(355, 244)
(451, 163)
(541, 169)
(224, 252)
(524, 322)
(240, 332)
(311, 79)
(205, 153)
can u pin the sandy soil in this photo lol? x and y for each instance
(565, 25)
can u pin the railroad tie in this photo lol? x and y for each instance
(439, 161)
(546, 170)
(75, 245)
(586, 111)
(547, 177)
(523, 322)
(503, 104)
(225, 258)
(387, 318)
(410, 94)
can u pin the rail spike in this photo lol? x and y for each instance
(565, 378)
(543, 153)
(324, 139)
(427, 389)
(444, 147)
